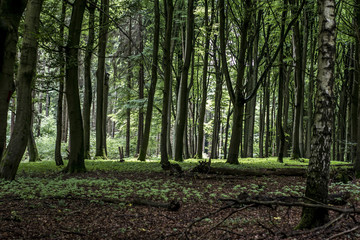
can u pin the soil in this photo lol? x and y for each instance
(82, 218)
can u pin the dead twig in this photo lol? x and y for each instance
(343, 233)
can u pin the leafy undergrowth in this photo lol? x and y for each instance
(43, 203)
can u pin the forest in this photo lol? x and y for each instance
(185, 119)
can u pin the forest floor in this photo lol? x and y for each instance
(46, 204)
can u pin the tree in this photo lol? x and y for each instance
(10, 15)
(25, 80)
(59, 116)
(154, 70)
(87, 78)
(318, 171)
(100, 74)
(181, 110)
(169, 9)
(207, 26)
(76, 158)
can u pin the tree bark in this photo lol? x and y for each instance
(168, 9)
(76, 158)
(236, 95)
(25, 80)
(357, 79)
(207, 26)
(10, 15)
(318, 171)
(279, 120)
(141, 88)
(100, 75)
(128, 112)
(87, 78)
(299, 91)
(151, 94)
(181, 111)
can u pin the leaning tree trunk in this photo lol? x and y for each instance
(154, 77)
(318, 172)
(26, 73)
(100, 74)
(76, 158)
(10, 15)
(87, 79)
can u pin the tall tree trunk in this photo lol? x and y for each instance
(251, 105)
(356, 160)
(310, 97)
(59, 116)
(141, 88)
(128, 112)
(87, 79)
(217, 111)
(318, 172)
(151, 94)
(25, 80)
(182, 102)
(10, 15)
(207, 26)
(299, 91)
(236, 95)
(169, 8)
(76, 158)
(100, 75)
(280, 129)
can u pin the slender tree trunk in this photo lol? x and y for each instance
(100, 75)
(31, 144)
(10, 15)
(318, 173)
(279, 121)
(182, 102)
(105, 109)
(150, 101)
(299, 91)
(207, 26)
(169, 8)
(65, 115)
(59, 122)
(310, 97)
(76, 158)
(128, 112)
(141, 88)
(26, 73)
(87, 79)
(217, 111)
(227, 129)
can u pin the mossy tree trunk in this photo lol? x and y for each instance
(318, 172)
